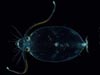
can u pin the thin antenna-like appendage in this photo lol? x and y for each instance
(15, 35)
(18, 60)
(17, 31)
(42, 22)
(16, 56)
(11, 41)
(25, 70)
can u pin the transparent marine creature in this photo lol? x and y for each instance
(51, 43)
(55, 44)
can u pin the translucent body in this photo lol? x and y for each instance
(50, 43)
(55, 44)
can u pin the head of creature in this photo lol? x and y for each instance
(23, 43)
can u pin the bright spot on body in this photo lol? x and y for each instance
(56, 44)
(84, 44)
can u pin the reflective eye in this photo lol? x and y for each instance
(27, 49)
(28, 38)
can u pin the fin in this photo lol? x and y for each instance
(17, 31)
(86, 40)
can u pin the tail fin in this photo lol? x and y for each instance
(86, 41)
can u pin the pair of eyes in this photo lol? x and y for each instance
(27, 49)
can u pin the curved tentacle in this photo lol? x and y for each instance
(25, 70)
(42, 22)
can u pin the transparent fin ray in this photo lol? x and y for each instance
(17, 31)
(15, 35)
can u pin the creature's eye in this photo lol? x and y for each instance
(28, 38)
(27, 49)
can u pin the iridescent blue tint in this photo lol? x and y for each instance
(55, 44)
(24, 43)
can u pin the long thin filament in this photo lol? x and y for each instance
(25, 70)
(42, 22)
(17, 31)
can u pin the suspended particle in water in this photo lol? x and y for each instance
(51, 43)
